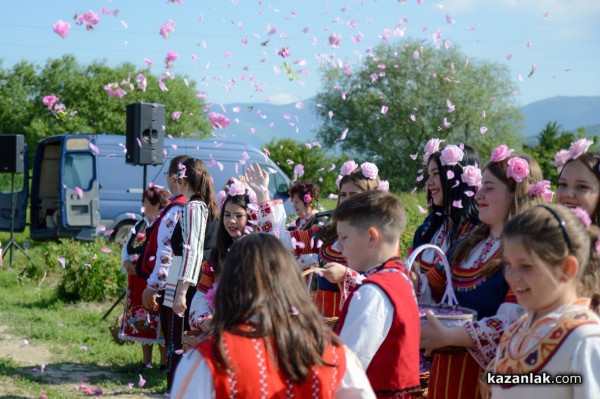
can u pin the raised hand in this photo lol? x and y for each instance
(258, 180)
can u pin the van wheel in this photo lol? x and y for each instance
(121, 233)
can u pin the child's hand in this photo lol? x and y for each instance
(258, 180)
(432, 334)
(334, 272)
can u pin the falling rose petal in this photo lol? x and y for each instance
(78, 191)
(42, 367)
(344, 134)
(83, 348)
(141, 381)
(61, 261)
(179, 352)
(414, 156)
(422, 210)
(528, 45)
(457, 204)
(294, 311)
(330, 113)
(546, 15)
(415, 55)
(94, 148)
(25, 342)
(413, 117)
(420, 178)
(509, 57)
(449, 19)
(450, 174)
(520, 78)
(456, 183)
(139, 142)
(332, 196)
(106, 250)
(130, 385)
(483, 114)
(384, 109)
(61, 28)
(469, 193)
(483, 129)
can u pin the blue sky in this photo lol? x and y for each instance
(209, 36)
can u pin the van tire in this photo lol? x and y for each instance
(122, 232)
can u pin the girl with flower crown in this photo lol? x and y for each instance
(508, 184)
(317, 246)
(305, 197)
(551, 263)
(453, 179)
(239, 213)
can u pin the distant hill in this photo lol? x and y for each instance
(569, 112)
(300, 122)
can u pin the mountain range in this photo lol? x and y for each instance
(261, 122)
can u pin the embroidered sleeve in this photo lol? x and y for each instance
(193, 228)
(164, 252)
(486, 333)
(352, 279)
(199, 310)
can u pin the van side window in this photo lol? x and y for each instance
(79, 170)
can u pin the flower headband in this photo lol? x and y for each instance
(368, 169)
(235, 187)
(576, 149)
(518, 168)
(452, 155)
(542, 189)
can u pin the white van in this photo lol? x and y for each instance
(81, 182)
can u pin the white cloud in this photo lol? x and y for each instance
(282, 99)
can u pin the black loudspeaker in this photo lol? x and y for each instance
(145, 134)
(12, 153)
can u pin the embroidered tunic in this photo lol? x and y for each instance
(388, 344)
(255, 375)
(565, 341)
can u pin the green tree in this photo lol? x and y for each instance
(319, 167)
(549, 141)
(405, 93)
(81, 88)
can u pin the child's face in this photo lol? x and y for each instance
(494, 200)
(151, 211)
(234, 219)
(578, 186)
(536, 284)
(434, 183)
(347, 190)
(354, 246)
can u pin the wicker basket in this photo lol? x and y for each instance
(115, 329)
(191, 339)
(308, 274)
(448, 312)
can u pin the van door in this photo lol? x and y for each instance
(14, 192)
(80, 185)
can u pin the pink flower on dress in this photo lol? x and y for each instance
(61, 28)
(451, 155)
(237, 188)
(369, 170)
(432, 146)
(471, 176)
(582, 215)
(579, 147)
(560, 159)
(542, 189)
(348, 167)
(383, 185)
(518, 169)
(500, 153)
(218, 121)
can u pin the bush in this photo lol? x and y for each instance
(92, 270)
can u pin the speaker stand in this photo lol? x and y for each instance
(12, 243)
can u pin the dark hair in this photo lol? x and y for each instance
(451, 192)
(592, 161)
(200, 182)
(552, 232)
(156, 195)
(302, 188)
(379, 209)
(224, 239)
(521, 200)
(260, 279)
(174, 164)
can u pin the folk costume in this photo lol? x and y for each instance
(139, 324)
(254, 373)
(565, 341)
(456, 375)
(388, 345)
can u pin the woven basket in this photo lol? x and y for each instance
(448, 312)
(191, 339)
(115, 329)
(308, 274)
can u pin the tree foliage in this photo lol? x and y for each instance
(405, 93)
(319, 167)
(81, 88)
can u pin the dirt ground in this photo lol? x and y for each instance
(65, 376)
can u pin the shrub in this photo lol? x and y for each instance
(92, 270)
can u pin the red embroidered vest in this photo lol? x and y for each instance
(394, 370)
(145, 265)
(253, 373)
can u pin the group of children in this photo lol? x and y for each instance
(525, 266)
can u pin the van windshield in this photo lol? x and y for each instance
(79, 170)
